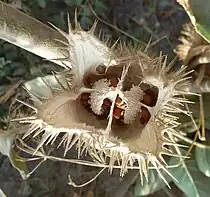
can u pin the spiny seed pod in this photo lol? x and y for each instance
(194, 51)
(119, 106)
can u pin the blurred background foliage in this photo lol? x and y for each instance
(134, 22)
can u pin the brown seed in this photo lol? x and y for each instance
(207, 70)
(101, 69)
(107, 103)
(105, 108)
(84, 99)
(85, 96)
(144, 115)
(119, 103)
(90, 78)
(118, 100)
(144, 86)
(118, 113)
(148, 99)
(114, 81)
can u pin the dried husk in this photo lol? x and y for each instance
(60, 112)
(56, 98)
(194, 51)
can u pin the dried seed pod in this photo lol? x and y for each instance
(194, 51)
(140, 139)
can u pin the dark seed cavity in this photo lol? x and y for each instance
(150, 94)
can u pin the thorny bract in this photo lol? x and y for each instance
(115, 104)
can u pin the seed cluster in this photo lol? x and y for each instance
(148, 99)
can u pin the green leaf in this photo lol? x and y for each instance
(73, 2)
(86, 12)
(202, 156)
(6, 143)
(154, 184)
(85, 22)
(3, 110)
(191, 181)
(58, 20)
(42, 3)
(100, 6)
(199, 13)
